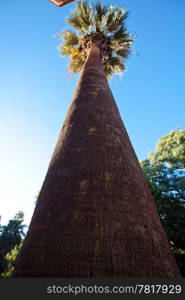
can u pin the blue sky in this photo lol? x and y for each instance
(36, 91)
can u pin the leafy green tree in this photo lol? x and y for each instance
(171, 149)
(167, 185)
(12, 233)
(165, 174)
(10, 236)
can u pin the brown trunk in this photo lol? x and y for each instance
(95, 216)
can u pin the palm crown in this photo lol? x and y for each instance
(100, 25)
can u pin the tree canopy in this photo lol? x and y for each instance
(171, 149)
(11, 236)
(168, 190)
(165, 173)
(100, 25)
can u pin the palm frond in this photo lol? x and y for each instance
(115, 18)
(70, 37)
(123, 52)
(85, 14)
(122, 43)
(101, 25)
(120, 16)
(119, 33)
(65, 49)
(115, 65)
(110, 15)
(100, 13)
(76, 64)
(75, 21)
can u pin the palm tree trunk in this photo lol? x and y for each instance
(95, 216)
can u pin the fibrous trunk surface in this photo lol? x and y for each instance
(95, 216)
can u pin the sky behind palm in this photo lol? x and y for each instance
(36, 90)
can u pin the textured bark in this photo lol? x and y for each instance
(95, 216)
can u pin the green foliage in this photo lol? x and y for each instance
(171, 149)
(167, 185)
(12, 233)
(88, 19)
(71, 38)
(101, 12)
(3, 264)
(180, 258)
(115, 66)
(10, 236)
(165, 174)
(10, 260)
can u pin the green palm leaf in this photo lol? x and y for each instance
(92, 24)
(75, 21)
(70, 37)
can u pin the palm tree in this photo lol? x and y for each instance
(100, 26)
(95, 216)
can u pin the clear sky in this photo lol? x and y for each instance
(35, 89)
